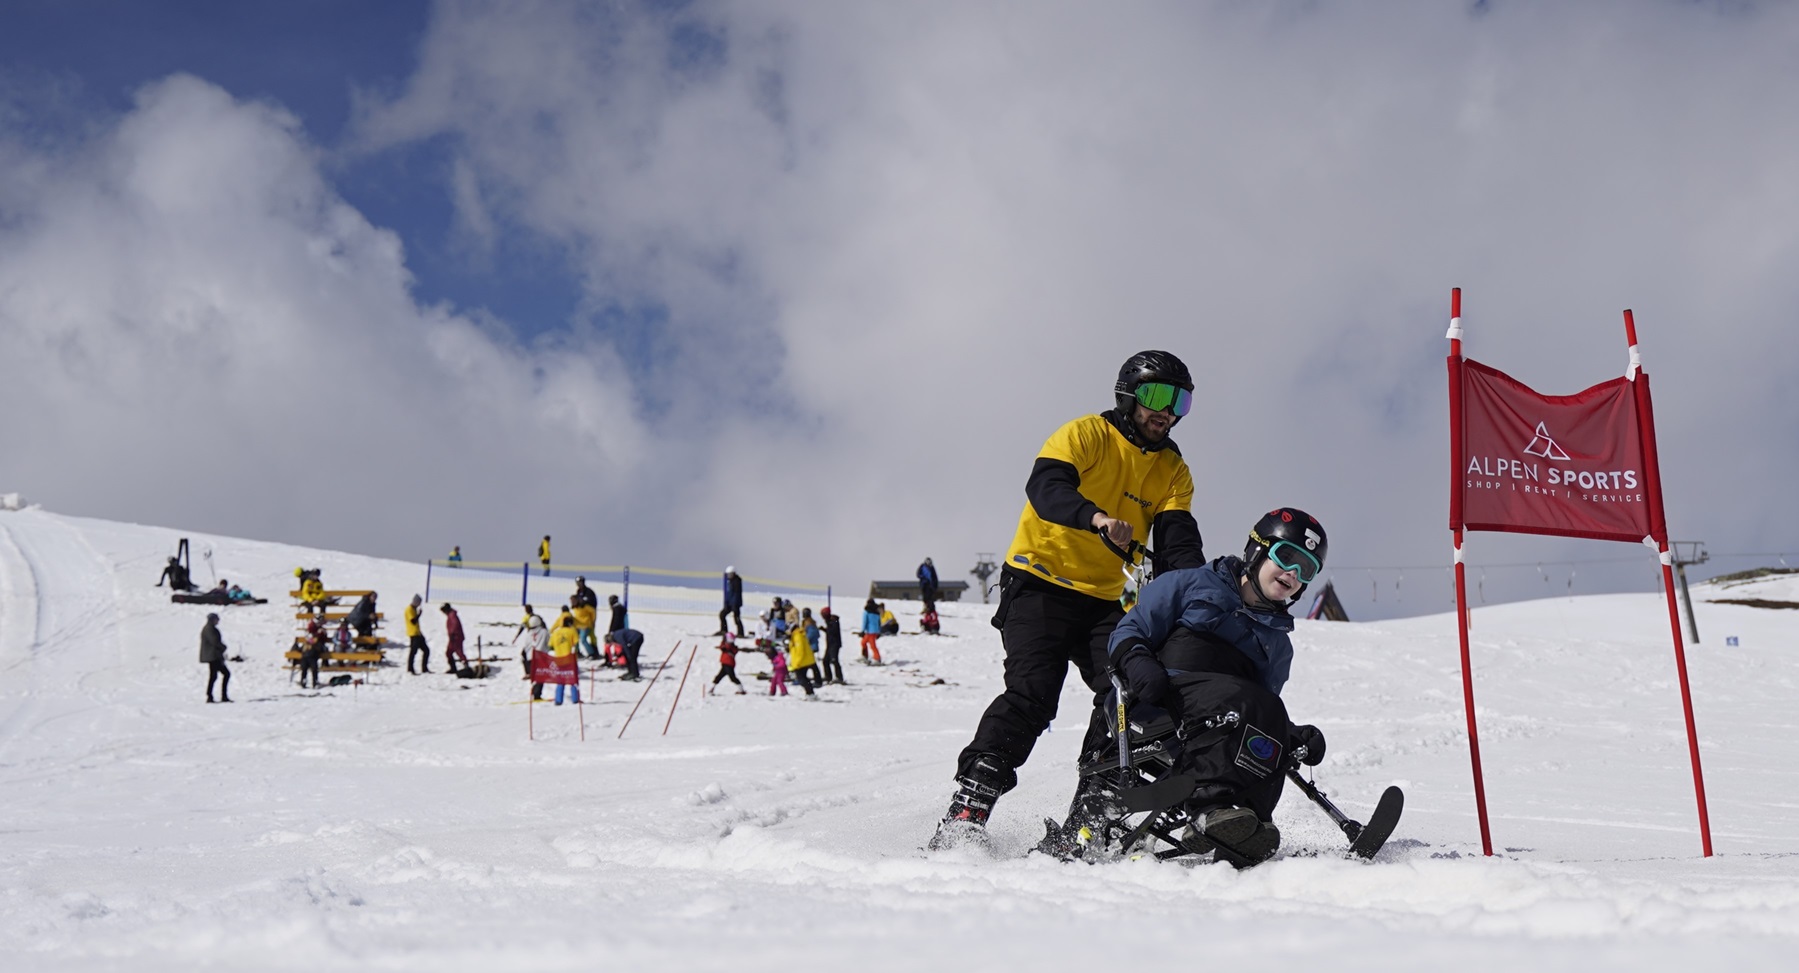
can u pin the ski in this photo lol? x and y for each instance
(1380, 824)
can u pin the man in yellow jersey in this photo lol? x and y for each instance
(1116, 474)
(543, 556)
(415, 637)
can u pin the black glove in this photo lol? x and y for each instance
(1312, 739)
(1147, 679)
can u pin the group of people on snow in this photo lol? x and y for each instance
(1203, 638)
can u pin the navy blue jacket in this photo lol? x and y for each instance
(1206, 600)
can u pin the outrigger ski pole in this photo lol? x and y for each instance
(1364, 840)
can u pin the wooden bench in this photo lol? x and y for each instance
(330, 616)
(333, 593)
(340, 661)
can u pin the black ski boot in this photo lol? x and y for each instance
(1241, 838)
(1094, 807)
(965, 822)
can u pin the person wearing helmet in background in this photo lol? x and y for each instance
(1209, 640)
(1117, 476)
(733, 601)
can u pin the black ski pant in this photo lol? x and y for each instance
(213, 671)
(833, 668)
(736, 615)
(1044, 627)
(631, 671)
(309, 664)
(727, 672)
(417, 649)
(804, 678)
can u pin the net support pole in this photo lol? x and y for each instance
(524, 592)
(427, 580)
(1461, 577)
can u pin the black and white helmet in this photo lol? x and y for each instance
(1294, 539)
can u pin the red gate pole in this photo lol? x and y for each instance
(1461, 579)
(671, 707)
(1658, 521)
(580, 714)
(646, 690)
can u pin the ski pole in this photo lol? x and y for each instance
(1351, 827)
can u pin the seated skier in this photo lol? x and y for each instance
(1206, 641)
(176, 575)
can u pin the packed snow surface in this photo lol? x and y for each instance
(409, 823)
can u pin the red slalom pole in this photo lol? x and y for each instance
(646, 690)
(671, 708)
(1461, 577)
(1658, 520)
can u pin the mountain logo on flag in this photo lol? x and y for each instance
(1545, 446)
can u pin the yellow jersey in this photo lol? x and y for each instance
(1131, 484)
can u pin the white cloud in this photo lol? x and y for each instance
(200, 332)
(898, 244)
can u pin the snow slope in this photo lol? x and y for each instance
(409, 824)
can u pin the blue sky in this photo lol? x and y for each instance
(803, 287)
(312, 57)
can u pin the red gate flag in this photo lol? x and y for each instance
(1570, 465)
(1581, 465)
(546, 668)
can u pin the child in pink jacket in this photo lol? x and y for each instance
(777, 678)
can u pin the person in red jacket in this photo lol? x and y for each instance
(453, 632)
(727, 665)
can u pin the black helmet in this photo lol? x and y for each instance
(1291, 526)
(1147, 366)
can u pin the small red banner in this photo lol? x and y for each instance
(546, 668)
(1570, 465)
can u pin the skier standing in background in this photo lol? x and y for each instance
(415, 638)
(833, 646)
(212, 652)
(733, 601)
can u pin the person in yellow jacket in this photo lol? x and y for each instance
(562, 646)
(800, 658)
(312, 590)
(415, 637)
(543, 554)
(585, 607)
(1100, 483)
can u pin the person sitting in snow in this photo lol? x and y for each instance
(176, 576)
(889, 624)
(1209, 640)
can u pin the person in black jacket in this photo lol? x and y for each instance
(362, 617)
(833, 669)
(1099, 484)
(617, 621)
(212, 652)
(176, 576)
(733, 602)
